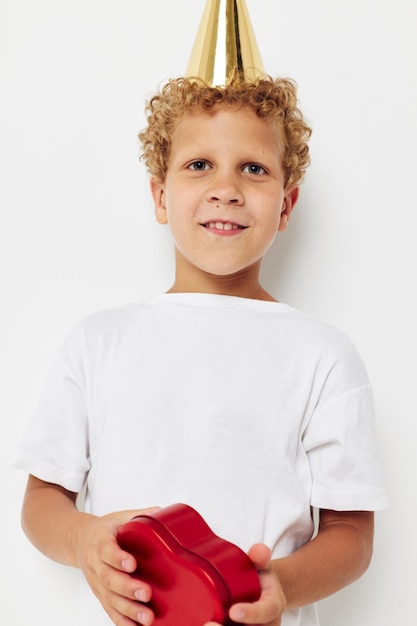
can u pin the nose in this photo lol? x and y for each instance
(225, 189)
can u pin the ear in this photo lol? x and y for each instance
(158, 195)
(290, 200)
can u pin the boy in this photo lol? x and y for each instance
(213, 394)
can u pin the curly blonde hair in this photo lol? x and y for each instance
(274, 100)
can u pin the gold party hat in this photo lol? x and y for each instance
(225, 48)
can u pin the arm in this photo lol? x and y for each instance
(338, 555)
(54, 525)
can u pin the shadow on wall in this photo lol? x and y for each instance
(286, 264)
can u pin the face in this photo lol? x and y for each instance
(223, 196)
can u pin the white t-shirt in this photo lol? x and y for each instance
(250, 411)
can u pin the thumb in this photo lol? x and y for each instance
(260, 555)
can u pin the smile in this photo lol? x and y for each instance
(223, 226)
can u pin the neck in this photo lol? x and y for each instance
(243, 284)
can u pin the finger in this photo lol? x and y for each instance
(134, 611)
(260, 612)
(124, 585)
(121, 517)
(109, 551)
(268, 609)
(260, 556)
(125, 613)
(114, 570)
(130, 605)
(121, 620)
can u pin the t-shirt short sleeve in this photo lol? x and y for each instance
(54, 445)
(341, 441)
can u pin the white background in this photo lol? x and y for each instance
(77, 231)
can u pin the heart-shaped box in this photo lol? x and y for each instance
(195, 575)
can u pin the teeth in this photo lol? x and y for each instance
(222, 225)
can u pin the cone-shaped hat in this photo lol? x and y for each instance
(225, 46)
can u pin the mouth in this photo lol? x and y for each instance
(223, 226)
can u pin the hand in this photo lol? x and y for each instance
(107, 569)
(271, 605)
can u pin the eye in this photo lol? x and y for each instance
(254, 168)
(199, 166)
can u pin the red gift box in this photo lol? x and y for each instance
(195, 575)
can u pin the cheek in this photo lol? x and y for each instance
(179, 225)
(182, 206)
(273, 218)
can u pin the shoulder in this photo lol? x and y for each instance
(110, 319)
(330, 349)
(101, 329)
(318, 334)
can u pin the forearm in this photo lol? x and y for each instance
(339, 554)
(53, 524)
(51, 521)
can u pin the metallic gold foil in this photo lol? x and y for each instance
(225, 47)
